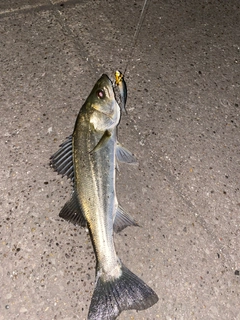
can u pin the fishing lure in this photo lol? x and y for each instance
(120, 82)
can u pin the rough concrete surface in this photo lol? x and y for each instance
(183, 126)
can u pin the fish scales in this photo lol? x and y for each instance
(95, 186)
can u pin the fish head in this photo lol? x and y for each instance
(105, 111)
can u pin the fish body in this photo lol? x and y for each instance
(94, 202)
(94, 172)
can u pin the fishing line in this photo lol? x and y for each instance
(119, 76)
(136, 34)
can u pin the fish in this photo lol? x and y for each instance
(88, 157)
(121, 84)
(62, 163)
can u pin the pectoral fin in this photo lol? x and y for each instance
(123, 155)
(123, 220)
(102, 142)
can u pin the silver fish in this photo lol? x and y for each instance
(94, 203)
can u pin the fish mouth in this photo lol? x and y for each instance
(105, 78)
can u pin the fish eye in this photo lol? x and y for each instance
(101, 94)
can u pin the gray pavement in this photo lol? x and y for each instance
(183, 126)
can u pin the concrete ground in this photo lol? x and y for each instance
(183, 125)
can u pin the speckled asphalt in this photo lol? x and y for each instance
(183, 125)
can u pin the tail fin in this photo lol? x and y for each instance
(124, 293)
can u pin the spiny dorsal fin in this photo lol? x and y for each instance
(62, 160)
